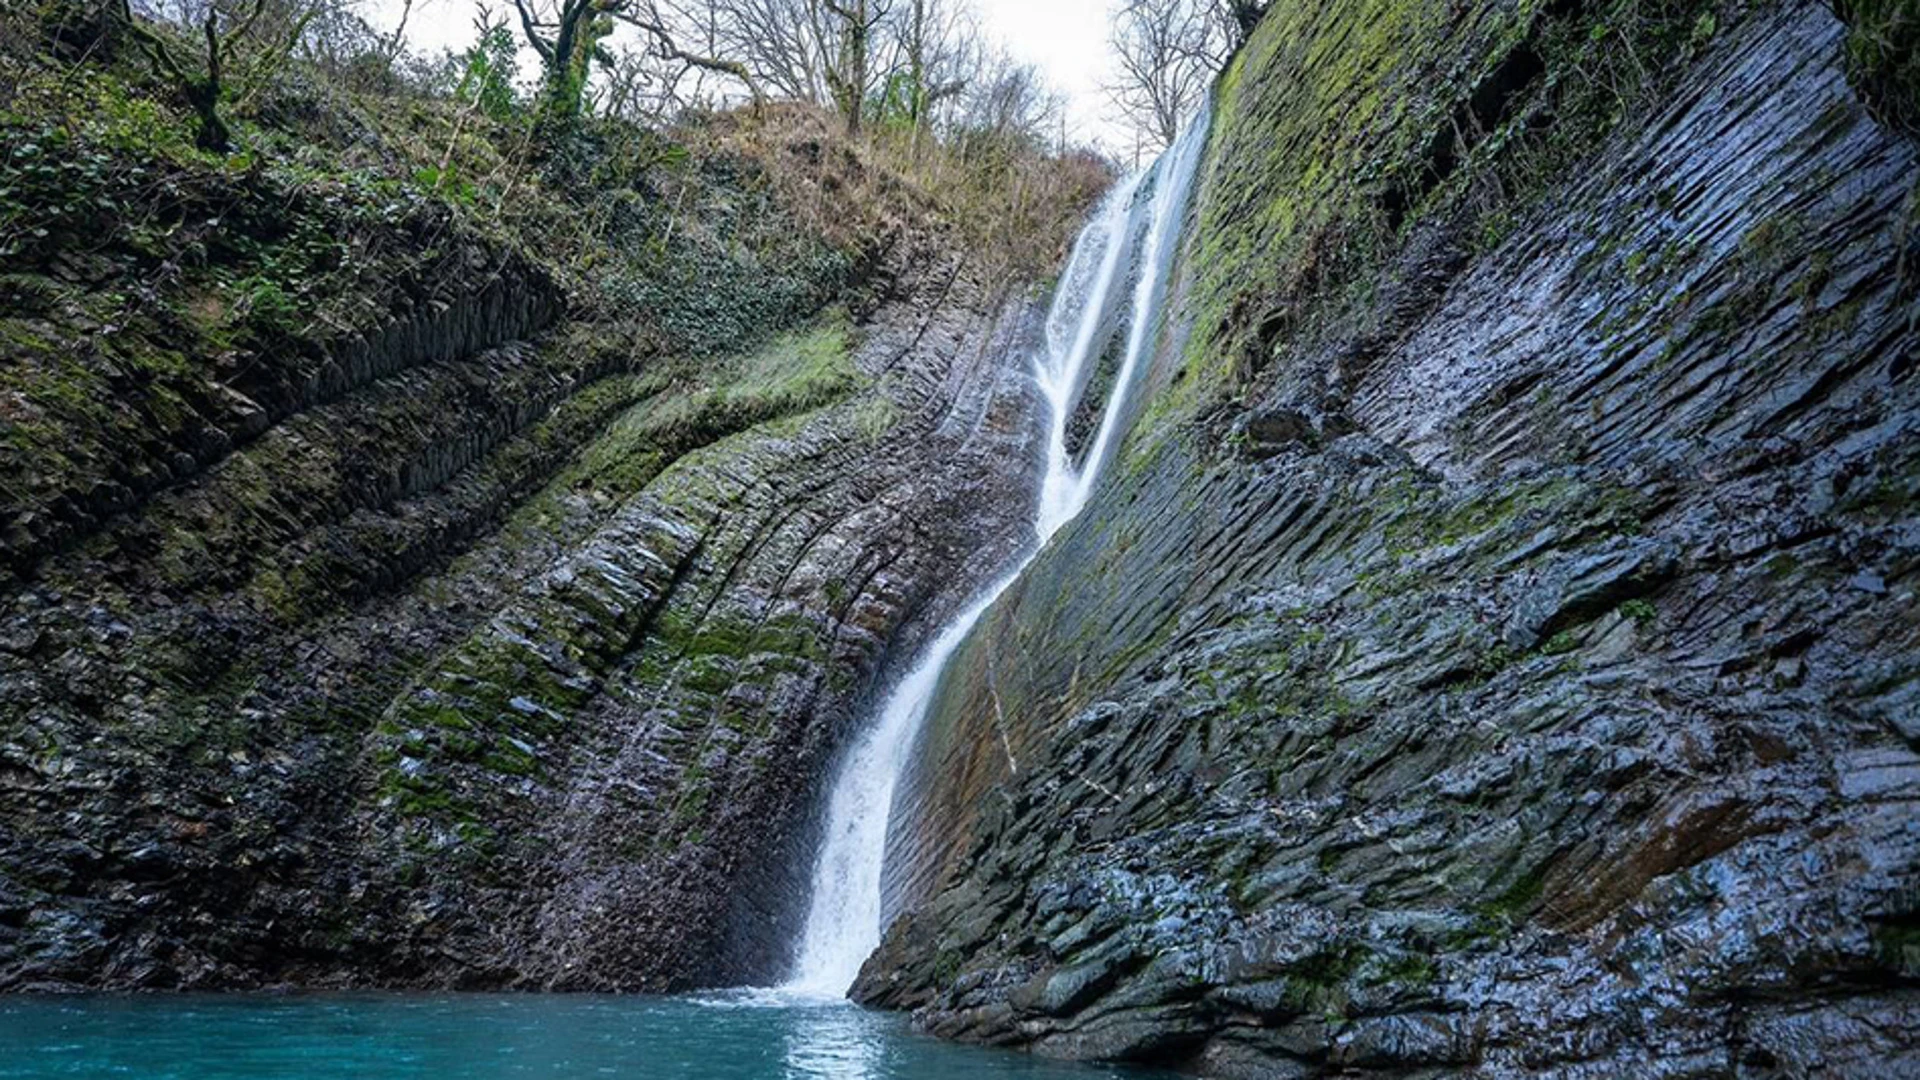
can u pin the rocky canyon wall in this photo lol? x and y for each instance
(1495, 651)
(460, 625)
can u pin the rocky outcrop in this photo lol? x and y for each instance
(644, 730)
(475, 641)
(111, 408)
(1494, 652)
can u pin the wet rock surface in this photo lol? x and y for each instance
(1550, 711)
(498, 647)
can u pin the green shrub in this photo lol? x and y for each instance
(1883, 57)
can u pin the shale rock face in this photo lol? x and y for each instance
(1495, 651)
(473, 636)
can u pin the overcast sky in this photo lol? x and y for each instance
(1067, 39)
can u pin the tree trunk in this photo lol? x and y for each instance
(848, 76)
(211, 132)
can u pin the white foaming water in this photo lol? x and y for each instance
(1176, 170)
(843, 924)
(1079, 308)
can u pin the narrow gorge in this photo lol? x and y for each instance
(1416, 580)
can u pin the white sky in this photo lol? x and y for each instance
(1066, 39)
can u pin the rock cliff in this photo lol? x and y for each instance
(396, 595)
(1495, 650)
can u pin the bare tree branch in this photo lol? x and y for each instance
(533, 32)
(1168, 51)
(667, 49)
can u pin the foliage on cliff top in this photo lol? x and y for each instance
(617, 202)
(173, 299)
(765, 184)
(1883, 53)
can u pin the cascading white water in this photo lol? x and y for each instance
(1176, 170)
(1073, 326)
(843, 924)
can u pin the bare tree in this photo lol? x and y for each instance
(649, 81)
(851, 26)
(780, 41)
(832, 52)
(1168, 51)
(940, 54)
(1008, 103)
(204, 84)
(906, 60)
(659, 28)
(397, 41)
(633, 87)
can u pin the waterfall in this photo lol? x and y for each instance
(844, 922)
(1073, 328)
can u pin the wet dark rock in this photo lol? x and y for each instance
(1574, 589)
(1268, 431)
(486, 645)
(1556, 717)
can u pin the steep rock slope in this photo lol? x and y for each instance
(1496, 650)
(388, 603)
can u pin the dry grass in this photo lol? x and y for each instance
(1012, 207)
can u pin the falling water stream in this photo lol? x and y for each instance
(844, 922)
